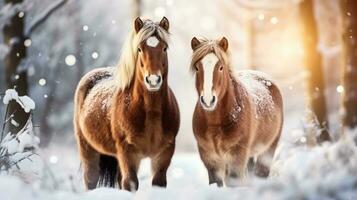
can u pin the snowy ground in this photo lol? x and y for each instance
(299, 172)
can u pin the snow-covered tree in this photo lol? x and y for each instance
(19, 146)
(17, 39)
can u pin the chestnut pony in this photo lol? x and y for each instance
(238, 116)
(126, 113)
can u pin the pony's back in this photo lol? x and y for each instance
(259, 85)
(88, 81)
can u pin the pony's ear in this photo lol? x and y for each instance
(223, 43)
(138, 24)
(164, 23)
(195, 43)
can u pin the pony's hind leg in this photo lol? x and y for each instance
(90, 163)
(264, 161)
(250, 165)
(160, 164)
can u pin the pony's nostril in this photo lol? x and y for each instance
(147, 79)
(158, 79)
(213, 99)
(202, 100)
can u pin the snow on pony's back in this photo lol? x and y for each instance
(26, 102)
(257, 84)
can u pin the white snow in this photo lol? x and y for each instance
(26, 102)
(257, 84)
(11, 144)
(25, 138)
(14, 122)
(326, 172)
(298, 172)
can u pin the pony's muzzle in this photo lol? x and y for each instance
(153, 82)
(208, 103)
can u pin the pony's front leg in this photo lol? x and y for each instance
(214, 166)
(129, 161)
(236, 171)
(160, 164)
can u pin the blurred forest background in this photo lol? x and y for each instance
(309, 47)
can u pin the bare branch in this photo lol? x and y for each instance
(3, 127)
(43, 17)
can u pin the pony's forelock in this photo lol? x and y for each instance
(209, 46)
(127, 62)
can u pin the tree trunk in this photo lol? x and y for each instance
(313, 64)
(15, 77)
(349, 74)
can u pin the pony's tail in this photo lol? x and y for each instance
(108, 171)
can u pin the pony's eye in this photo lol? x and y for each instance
(221, 68)
(196, 69)
(139, 50)
(165, 49)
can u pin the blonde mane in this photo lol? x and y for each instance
(209, 46)
(126, 67)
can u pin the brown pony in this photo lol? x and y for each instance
(126, 113)
(238, 115)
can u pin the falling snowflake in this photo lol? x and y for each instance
(70, 60)
(95, 55)
(27, 42)
(340, 89)
(85, 28)
(21, 14)
(274, 20)
(42, 81)
(53, 159)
